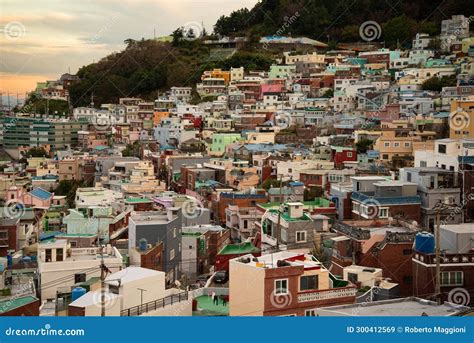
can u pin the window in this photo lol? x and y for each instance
(396, 144)
(407, 144)
(310, 313)
(78, 278)
(308, 283)
(73, 244)
(386, 144)
(442, 148)
(352, 277)
(383, 213)
(300, 236)
(174, 232)
(385, 156)
(114, 289)
(452, 279)
(349, 154)
(48, 255)
(59, 254)
(281, 286)
(171, 254)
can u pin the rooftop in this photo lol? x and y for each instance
(397, 307)
(206, 307)
(281, 259)
(15, 302)
(40, 193)
(130, 274)
(94, 298)
(236, 249)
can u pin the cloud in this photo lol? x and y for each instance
(67, 33)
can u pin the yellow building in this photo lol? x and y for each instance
(461, 118)
(217, 74)
(394, 143)
(157, 116)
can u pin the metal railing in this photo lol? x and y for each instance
(155, 305)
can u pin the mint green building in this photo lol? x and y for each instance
(221, 140)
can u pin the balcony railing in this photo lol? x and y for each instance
(444, 259)
(155, 305)
(327, 294)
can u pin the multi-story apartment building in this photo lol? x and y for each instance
(61, 266)
(374, 197)
(435, 185)
(456, 266)
(35, 132)
(283, 284)
(159, 228)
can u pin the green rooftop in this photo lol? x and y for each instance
(206, 307)
(13, 303)
(307, 205)
(137, 200)
(242, 248)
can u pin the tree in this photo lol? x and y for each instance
(132, 150)
(328, 94)
(177, 36)
(269, 183)
(436, 84)
(36, 152)
(398, 30)
(69, 188)
(363, 145)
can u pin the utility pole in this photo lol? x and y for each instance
(102, 281)
(437, 252)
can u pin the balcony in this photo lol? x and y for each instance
(335, 293)
(444, 259)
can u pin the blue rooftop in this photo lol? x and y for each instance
(387, 200)
(40, 193)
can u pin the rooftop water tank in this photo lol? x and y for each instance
(425, 242)
(143, 244)
(77, 292)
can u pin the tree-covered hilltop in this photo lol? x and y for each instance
(146, 67)
(339, 20)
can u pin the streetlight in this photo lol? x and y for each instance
(141, 297)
